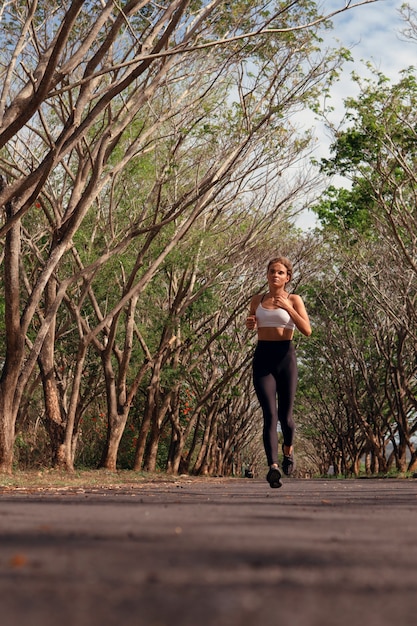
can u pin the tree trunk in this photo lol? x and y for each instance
(201, 464)
(175, 452)
(54, 412)
(150, 410)
(15, 342)
(143, 435)
(7, 426)
(117, 416)
(115, 432)
(153, 445)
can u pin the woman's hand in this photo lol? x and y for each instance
(282, 302)
(251, 322)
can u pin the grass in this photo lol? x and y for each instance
(45, 479)
(96, 479)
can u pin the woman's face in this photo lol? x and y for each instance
(277, 275)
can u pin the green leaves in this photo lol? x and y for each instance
(347, 209)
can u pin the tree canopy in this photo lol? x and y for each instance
(148, 156)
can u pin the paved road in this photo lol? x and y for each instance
(211, 553)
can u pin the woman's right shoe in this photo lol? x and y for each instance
(274, 478)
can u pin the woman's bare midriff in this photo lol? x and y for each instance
(275, 334)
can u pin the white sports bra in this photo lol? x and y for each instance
(273, 318)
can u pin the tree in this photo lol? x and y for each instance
(372, 227)
(80, 79)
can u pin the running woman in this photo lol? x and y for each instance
(275, 315)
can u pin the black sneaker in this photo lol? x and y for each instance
(274, 478)
(288, 463)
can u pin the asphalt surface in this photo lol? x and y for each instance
(214, 552)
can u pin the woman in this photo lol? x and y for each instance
(276, 314)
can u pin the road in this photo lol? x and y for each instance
(213, 552)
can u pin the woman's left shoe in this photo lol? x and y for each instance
(288, 463)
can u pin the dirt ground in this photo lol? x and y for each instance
(217, 552)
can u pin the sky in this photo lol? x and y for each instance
(372, 33)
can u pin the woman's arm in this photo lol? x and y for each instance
(251, 319)
(294, 306)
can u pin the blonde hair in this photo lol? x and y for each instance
(284, 261)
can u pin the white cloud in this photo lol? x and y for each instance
(372, 33)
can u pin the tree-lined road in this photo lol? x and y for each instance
(221, 552)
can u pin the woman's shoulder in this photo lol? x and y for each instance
(255, 301)
(294, 297)
(296, 301)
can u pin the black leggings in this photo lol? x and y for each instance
(275, 374)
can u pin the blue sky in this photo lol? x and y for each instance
(373, 34)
